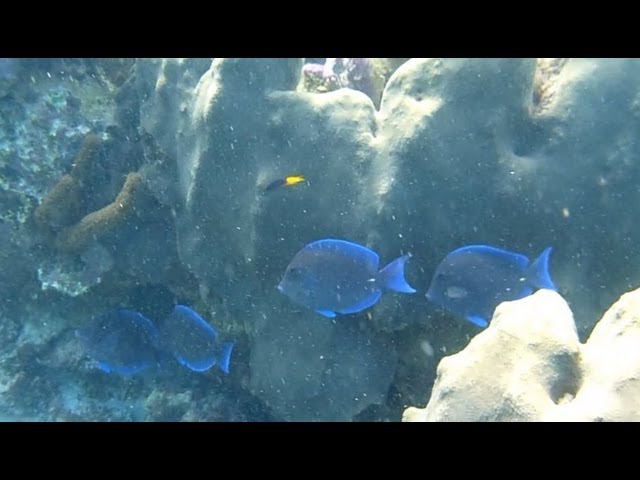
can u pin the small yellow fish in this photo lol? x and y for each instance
(284, 182)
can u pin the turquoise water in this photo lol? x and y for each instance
(148, 183)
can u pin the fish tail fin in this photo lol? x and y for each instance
(224, 356)
(538, 271)
(392, 276)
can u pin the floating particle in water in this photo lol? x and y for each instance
(426, 347)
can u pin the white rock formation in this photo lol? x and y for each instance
(529, 365)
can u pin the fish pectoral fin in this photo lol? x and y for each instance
(362, 304)
(327, 313)
(479, 321)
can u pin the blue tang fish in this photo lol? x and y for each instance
(192, 341)
(120, 341)
(331, 276)
(472, 281)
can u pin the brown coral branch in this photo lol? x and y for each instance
(62, 205)
(61, 211)
(97, 223)
(84, 162)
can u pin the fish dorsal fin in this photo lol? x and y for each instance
(196, 319)
(357, 252)
(504, 255)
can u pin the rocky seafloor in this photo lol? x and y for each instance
(137, 183)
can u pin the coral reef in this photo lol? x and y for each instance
(457, 147)
(545, 83)
(96, 224)
(62, 209)
(516, 153)
(63, 204)
(76, 221)
(529, 365)
(368, 75)
(9, 75)
(72, 275)
(45, 376)
(45, 112)
(44, 117)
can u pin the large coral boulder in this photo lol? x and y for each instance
(529, 365)
(611, 365)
